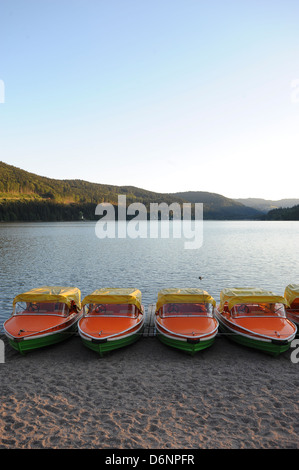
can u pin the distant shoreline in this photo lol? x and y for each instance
(128, 220)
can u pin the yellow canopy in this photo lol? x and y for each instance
(51, 294)
(183, 296)
(114, 296)
(244, 295)
(291, 293)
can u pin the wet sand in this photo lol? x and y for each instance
(148, 396)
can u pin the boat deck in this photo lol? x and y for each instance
(149, 330)
(149, 323)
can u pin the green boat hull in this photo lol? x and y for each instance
(104, 347)
(268, 347)
(26, 345)
(186, 346)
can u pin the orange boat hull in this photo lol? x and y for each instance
(103, 334)
(190, 334)
(26, 332)
(273, 335)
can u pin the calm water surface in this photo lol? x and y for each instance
(233, 254)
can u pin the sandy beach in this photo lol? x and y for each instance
(148, 396)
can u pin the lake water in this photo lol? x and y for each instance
(233, 254)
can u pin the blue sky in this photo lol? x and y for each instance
(165, 95)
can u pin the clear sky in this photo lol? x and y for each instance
(166, 95)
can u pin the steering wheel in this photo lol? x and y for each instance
(100, 308)
(243, 309)
(33, 307)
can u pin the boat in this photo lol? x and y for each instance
(43, 316)
(256, 318)
(291, 294)
(184, 319)
(112, 318)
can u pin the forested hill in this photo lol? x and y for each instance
(288, 213)
(266, 205)
(220, 207)
(17, 183)
(26, 196)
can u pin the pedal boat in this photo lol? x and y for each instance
(256, 318)
(291, 294)
(112, 318)
(43, 316)
(184, 319)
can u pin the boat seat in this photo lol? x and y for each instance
(295, 304)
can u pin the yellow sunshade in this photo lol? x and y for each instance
(244, 295)
(183, 296)
(114, 296)
(51, 294)
(291, 293)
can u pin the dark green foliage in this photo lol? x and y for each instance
(289, 213)
(45, 211)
